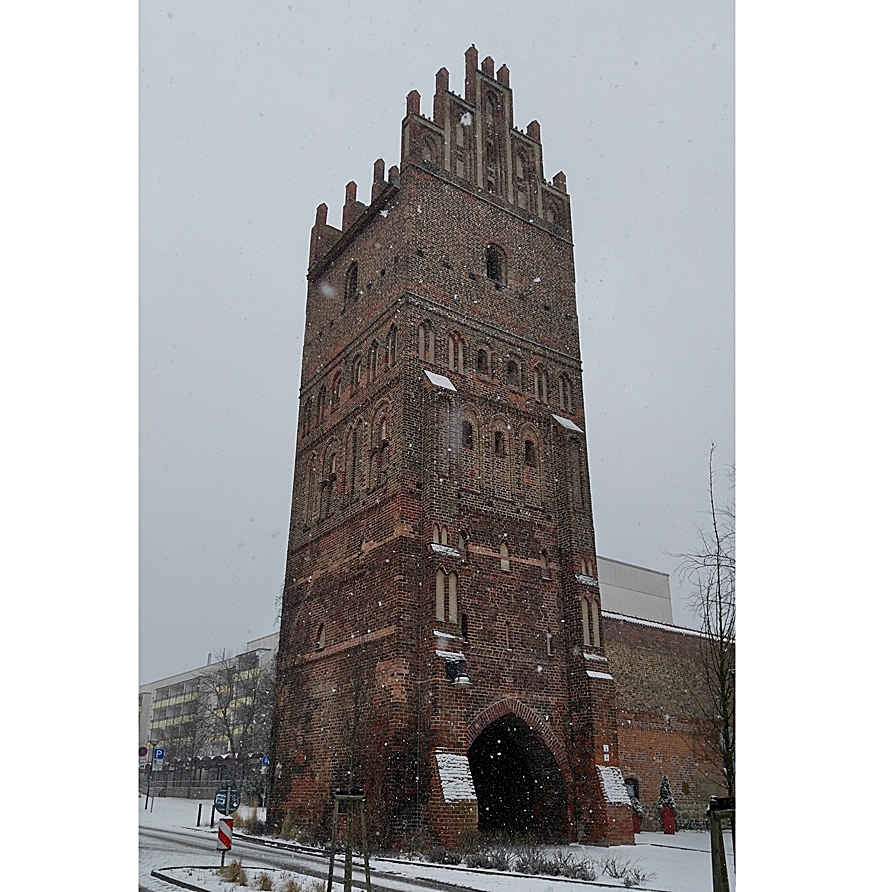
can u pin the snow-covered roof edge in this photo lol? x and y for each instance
(610, 614)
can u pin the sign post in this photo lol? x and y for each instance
(157, 751)
(225, 836)
(226, 802)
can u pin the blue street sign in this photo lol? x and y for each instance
(159, 754)
(265, 761)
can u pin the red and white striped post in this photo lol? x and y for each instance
(225, 836)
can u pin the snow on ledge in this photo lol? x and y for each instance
(613, 786)
(610, 614)
(447, 635)
(440, 380)
(445, 550)
(597, 657)
(602, 675)
(586, 580)
(451, 655)
(566, 423)
(454, 774)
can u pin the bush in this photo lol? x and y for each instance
(290, 884)
(636, 877)
(289, 829)
(530, 859)
(439, 855)
(493, 857)
(263, 881)
(233, 873)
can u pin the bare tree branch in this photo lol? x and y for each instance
(711, 571)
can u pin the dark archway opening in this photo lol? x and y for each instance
(519, 787)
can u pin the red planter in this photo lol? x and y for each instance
(668, 820)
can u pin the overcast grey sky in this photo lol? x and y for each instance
(253, 114)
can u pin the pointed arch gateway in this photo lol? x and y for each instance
(520, 772)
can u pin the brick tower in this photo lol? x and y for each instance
(441, 642)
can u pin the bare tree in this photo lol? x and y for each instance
(711, 570)
(236, 703)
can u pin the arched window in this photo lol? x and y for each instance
(426, 342)
(596, 632)
(464, 630)
(530, 454)
(565, 393)
(544, 564)
(483, 365)
(440, 595)
(541, 384)
(320, 636)
(356, 376)
(355, 456)
(455, 353)
(337, 388)
(306, 414)
(495, 264)
(321, 404)
(524, 181)
(466, 436)
(499, 443)
(351, 282)
(513, 376)
(452, 597)
(373, 361)
(391, 346)
(504, 556)
(462, 545)
(589, 615)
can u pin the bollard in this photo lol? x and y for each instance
(199, 814)
(212, 822)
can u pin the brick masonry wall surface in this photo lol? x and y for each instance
(385, 462)
(661, 709)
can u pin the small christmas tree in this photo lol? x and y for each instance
(667, 806)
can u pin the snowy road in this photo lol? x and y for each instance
(168, 837)
(161, 848)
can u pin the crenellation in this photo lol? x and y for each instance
(463, 268)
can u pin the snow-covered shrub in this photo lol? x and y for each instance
(666, 799)
(492, 857)
(440, 855)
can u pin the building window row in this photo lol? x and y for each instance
(342, 468)
(456, 359)
(363, 369)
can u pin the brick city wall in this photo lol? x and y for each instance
(661, 708)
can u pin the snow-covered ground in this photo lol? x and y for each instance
(679, 863)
